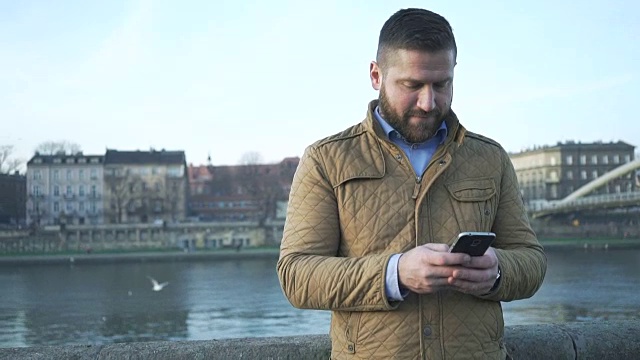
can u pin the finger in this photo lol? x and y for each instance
(469, 287)
(448, 259)
(437, 247)
(481, 262)
(473, 275)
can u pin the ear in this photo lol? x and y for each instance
(375, 73)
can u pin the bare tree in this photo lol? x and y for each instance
(8, 164)
(117, 188)
(57, 147)
(251, 158)
(173, 195)
(266, 184)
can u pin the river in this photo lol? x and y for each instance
(109, 303)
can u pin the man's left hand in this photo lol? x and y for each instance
(477, 276)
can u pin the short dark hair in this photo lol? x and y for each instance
(415, 29)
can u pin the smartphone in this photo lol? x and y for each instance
(473, 243)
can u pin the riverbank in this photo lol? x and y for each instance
(77, 258)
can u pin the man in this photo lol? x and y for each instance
(374, 209)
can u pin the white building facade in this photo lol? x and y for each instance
(65, 189)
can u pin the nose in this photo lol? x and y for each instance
(427, 99)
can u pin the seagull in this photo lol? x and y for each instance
(157, 286)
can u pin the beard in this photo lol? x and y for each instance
(401, 122)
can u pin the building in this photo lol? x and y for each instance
(145, 186)
(550, 173)
(13, 199)
(253, 192)
(64, 189)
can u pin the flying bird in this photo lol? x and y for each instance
(157, 286)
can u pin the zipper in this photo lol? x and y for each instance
(416, 188)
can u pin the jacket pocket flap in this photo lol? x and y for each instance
(472, 189)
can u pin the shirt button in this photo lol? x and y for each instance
(427, 331)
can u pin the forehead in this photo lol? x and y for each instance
(420, 65)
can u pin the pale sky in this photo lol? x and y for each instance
(230, 77)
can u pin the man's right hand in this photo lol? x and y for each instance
(426, 268)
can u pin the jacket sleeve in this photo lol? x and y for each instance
(522, 261)
(310, 270)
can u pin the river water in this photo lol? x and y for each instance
(109, 303)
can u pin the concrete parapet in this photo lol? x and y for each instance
(588, 340)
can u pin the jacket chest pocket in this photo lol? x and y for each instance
(473, 202)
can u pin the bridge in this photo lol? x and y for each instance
(579, 200)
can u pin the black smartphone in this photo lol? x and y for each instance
(473, 243)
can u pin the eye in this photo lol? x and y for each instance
(441, 84)
(412, 85)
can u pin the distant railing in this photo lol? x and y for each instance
(587, 202)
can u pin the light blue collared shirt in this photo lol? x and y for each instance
(419, 155)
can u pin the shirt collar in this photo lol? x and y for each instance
(441, 133)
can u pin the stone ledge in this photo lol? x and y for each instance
(588, 340)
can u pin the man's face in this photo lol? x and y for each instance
(416, 89)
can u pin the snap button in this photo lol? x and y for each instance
(398, 157)
(487, 212)
(427, 331)
(351, 348)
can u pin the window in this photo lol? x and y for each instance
(174, 171)
(36, 190)
(56, 175)
(81, 190)
(69, 191)
(81, 206)
(69, 206)
(81, 174)
(583, 175)
(627, 158)
(616, 159)
(583, 159)
(56, 190)
(594, 174)
(605, 159)
(56, 206)
(37, 175)
(569, 160)
(594, 159)
(570, 175)
(69, 175)
(553, 160)
(94, 174)
(93, 206)
(94, 191)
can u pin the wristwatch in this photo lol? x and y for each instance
(495, 284)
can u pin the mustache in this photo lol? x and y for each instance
(422, 113)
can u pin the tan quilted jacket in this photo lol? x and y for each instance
(355, 201)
